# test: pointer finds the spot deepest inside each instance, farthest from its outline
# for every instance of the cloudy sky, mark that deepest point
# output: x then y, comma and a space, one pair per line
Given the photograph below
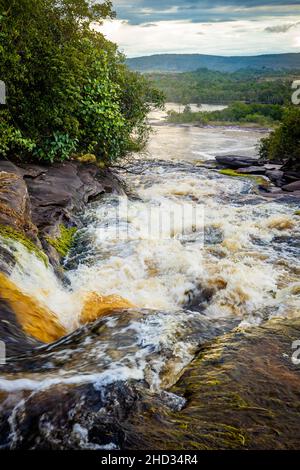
220, 27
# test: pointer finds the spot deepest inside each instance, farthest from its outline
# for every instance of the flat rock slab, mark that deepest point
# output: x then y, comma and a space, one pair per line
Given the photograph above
252, 170
292, 187
234, 161
242, 392
272, 166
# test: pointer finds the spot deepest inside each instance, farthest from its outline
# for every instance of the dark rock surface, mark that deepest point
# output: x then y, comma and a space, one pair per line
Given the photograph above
36, 199
16, 341
282, 177
234, 161
252, 170
242, 392
15, 209
291, 187
276, 176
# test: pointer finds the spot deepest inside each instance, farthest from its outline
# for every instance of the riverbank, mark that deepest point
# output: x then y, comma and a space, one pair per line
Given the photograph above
42, 203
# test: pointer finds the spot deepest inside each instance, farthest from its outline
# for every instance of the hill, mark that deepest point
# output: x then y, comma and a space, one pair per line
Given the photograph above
191, 62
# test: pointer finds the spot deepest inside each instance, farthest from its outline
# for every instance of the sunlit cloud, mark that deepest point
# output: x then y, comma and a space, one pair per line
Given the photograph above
243, 37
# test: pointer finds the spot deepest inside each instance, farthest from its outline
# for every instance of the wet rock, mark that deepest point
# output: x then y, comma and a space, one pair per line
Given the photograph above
36, 320
7, 260
91, 408
241, 392
15, 210
252, 170
40, 199
11, 333
276, 176
272, 166
234, 162
291, 176
73, 417
291, 187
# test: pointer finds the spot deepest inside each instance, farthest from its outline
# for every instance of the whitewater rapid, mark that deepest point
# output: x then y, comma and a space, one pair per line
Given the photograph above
183, 230
188, 247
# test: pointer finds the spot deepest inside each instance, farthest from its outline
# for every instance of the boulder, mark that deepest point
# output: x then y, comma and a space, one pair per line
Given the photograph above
234, 161
276, 176
252, 170
39, 199
291, 187
291, 176
272, 166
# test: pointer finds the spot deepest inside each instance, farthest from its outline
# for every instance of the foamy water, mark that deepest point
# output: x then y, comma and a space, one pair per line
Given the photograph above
186, 239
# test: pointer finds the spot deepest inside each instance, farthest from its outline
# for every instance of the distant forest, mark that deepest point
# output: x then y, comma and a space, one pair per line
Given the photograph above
206, 86
191, 62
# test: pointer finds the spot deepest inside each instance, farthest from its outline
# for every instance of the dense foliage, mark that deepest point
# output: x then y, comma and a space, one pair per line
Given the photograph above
262, 114
68, 88
205, 86
283, 144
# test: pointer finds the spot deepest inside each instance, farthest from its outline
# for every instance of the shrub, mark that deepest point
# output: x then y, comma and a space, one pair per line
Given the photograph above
283, 144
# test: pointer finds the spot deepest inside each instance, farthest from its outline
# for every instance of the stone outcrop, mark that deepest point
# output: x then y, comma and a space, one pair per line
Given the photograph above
291, 187
39, 207
37, 200
15, 210
241, 392
285, 180
234, 161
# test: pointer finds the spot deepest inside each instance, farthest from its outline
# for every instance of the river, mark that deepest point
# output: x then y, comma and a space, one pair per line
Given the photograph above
195, 252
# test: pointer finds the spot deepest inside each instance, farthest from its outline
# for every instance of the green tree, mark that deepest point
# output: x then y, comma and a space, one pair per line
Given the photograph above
283, 144
66, 83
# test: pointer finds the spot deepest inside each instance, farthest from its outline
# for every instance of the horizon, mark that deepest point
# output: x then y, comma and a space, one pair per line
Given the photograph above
211, 55
217, 27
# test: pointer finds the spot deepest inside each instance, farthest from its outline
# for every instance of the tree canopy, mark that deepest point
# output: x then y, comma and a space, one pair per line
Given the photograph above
68, 89
207, 86
283, 144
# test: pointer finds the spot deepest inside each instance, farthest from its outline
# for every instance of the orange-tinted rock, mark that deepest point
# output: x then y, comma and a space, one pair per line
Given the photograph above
35, 319
97, 306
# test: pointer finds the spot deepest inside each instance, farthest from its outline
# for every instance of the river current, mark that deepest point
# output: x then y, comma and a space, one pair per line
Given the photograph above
194, 251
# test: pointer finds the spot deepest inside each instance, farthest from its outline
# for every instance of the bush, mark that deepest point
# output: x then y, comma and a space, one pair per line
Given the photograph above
67, 85
283, 144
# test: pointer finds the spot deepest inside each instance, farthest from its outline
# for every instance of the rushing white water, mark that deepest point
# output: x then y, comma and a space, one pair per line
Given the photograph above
187, 229
186, 239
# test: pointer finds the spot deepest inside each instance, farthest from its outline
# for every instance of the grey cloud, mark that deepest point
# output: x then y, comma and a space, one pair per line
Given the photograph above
148, 25
281, 28
145, 11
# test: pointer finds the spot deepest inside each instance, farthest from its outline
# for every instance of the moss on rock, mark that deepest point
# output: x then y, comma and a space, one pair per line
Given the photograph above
258, 179
64, 241
87, 158
9, 233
